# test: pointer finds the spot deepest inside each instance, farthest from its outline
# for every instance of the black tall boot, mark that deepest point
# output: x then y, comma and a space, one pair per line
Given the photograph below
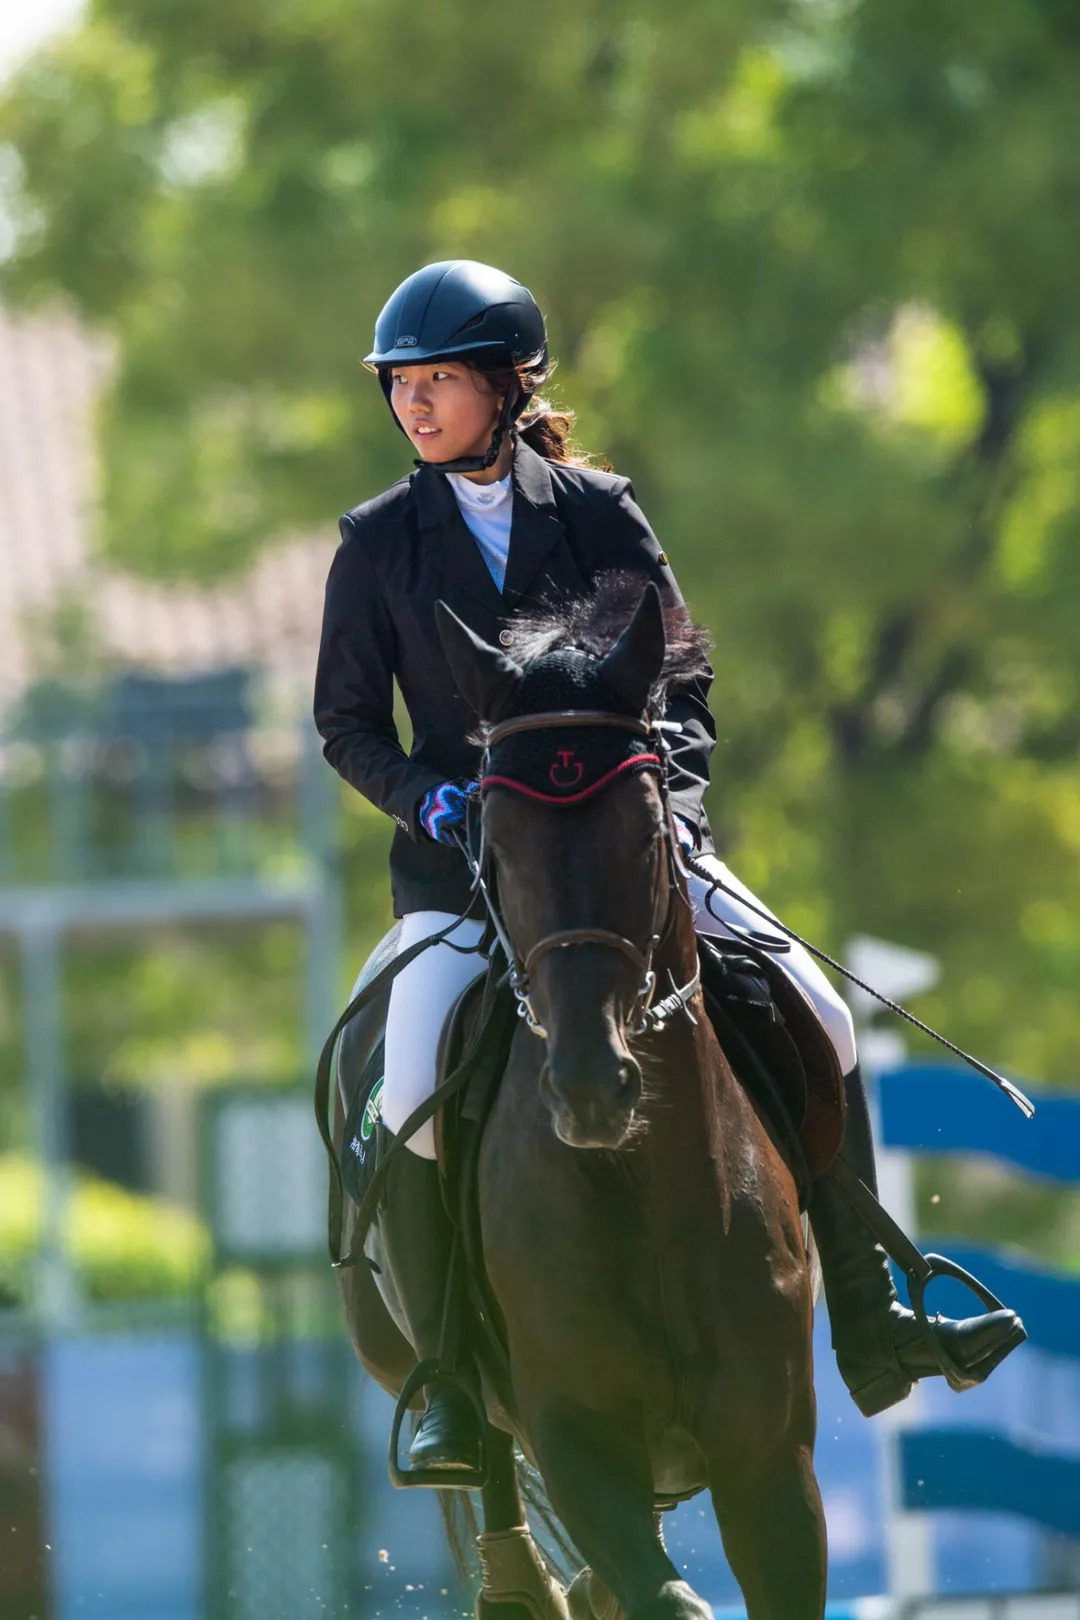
417, 1237
880, 1349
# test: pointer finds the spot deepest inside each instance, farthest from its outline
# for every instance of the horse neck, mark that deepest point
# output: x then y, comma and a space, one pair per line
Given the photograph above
700, 1123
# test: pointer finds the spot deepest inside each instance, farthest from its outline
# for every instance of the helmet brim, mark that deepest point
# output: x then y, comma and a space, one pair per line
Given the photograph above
426, 357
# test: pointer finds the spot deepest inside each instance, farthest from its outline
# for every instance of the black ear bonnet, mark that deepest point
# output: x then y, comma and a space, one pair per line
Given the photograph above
562, 765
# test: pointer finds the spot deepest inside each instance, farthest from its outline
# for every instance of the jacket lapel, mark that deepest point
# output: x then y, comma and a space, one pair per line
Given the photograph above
536, 527
450, 550
449, 547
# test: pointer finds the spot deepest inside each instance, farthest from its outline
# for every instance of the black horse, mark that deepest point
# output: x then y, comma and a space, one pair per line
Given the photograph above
641, 1231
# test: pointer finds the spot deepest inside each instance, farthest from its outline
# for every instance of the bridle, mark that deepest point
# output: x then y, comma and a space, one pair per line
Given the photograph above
645, 1014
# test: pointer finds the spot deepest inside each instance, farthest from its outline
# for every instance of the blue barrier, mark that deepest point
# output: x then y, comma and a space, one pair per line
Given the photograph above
974, 1468
932, 1108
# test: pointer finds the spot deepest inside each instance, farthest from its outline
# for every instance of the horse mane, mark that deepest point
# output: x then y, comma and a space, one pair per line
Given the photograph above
592, 624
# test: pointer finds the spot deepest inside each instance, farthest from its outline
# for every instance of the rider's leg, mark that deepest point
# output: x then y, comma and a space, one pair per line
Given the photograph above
879, 1348
420, 998
415, 1228
797, 962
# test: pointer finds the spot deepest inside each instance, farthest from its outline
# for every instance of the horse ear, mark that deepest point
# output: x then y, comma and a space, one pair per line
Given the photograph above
486, 677
633, 665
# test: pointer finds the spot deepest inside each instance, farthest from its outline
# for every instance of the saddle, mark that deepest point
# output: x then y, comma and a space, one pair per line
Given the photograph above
775, 1043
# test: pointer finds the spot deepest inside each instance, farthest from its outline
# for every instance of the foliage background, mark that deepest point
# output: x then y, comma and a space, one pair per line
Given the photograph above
810, 268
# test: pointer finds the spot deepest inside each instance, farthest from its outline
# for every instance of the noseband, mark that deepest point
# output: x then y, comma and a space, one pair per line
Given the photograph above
643, 1014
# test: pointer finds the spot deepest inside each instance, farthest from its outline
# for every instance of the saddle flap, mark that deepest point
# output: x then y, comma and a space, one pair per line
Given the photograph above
453, 1040
359, 1144
358, 1065
776, 1018
823, 1122
365, 1030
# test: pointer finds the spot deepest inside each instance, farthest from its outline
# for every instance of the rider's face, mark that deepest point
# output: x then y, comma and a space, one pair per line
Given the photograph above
447, 409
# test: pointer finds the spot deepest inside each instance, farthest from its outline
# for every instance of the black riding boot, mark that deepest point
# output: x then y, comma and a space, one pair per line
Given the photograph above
880, 1349
417, 1237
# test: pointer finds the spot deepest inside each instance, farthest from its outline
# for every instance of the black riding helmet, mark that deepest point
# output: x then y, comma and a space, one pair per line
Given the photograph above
455, 308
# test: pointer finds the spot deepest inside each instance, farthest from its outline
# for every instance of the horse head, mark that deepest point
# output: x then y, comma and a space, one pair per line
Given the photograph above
577, 838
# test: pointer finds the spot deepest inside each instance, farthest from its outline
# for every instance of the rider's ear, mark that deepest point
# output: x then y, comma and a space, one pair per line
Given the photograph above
486, 677
633, 665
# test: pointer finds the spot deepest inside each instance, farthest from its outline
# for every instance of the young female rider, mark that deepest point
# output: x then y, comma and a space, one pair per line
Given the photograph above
499, 515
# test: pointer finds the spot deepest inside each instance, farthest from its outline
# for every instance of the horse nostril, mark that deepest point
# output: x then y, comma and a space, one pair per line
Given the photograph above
628, 1090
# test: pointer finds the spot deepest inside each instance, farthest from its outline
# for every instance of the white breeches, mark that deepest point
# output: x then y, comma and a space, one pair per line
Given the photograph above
828, 1003
420, 998
423, 994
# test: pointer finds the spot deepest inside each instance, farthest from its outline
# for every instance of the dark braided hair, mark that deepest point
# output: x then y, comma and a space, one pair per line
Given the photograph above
546, 428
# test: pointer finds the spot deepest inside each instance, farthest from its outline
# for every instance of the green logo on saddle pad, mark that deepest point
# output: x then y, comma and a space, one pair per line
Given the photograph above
372, 1111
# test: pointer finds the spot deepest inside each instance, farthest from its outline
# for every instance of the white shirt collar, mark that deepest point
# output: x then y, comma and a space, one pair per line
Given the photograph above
481, 496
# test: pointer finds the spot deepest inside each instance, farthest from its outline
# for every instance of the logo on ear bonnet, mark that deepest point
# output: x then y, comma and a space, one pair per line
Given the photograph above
566, 770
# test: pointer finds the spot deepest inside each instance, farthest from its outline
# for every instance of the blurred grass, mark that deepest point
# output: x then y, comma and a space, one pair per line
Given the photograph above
987, 1203
123, 1246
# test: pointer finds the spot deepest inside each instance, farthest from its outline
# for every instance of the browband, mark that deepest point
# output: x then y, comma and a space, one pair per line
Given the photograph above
566, 717
636, 763
531, 771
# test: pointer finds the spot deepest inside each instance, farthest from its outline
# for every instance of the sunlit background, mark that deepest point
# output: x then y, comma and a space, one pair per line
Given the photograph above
811, 274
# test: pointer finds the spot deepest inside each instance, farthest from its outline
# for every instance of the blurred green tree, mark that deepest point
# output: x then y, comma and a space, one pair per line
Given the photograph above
810, 272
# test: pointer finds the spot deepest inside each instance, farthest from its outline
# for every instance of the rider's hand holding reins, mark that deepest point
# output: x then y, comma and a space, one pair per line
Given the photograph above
443, 809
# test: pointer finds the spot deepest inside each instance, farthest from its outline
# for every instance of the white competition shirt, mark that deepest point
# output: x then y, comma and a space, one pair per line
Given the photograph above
487, 510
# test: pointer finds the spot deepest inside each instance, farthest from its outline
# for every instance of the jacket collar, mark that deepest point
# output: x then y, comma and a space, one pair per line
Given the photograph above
535, 530
448, 546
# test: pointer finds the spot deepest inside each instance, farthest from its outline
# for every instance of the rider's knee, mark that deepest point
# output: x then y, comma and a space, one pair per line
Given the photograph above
835, 1015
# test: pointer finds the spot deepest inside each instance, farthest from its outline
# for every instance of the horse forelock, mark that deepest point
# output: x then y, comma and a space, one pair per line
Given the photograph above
591, 625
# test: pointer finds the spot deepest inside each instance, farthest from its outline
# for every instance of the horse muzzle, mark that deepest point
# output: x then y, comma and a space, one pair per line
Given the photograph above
591, 1104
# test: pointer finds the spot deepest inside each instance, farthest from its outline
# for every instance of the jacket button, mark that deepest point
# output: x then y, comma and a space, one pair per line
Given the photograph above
506, 638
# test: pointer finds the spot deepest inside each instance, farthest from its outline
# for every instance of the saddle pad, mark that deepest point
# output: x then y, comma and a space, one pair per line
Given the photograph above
359, 1154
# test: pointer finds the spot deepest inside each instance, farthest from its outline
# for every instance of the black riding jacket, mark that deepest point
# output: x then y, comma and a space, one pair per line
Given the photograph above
399, 554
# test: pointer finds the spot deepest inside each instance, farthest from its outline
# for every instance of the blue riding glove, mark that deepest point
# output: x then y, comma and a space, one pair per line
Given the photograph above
685, 834
443, 808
